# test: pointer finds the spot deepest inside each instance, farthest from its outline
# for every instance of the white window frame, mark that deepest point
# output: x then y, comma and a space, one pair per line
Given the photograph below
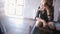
12, 6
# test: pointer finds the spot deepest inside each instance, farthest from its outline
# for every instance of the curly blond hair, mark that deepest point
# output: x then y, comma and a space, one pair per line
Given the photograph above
48, 6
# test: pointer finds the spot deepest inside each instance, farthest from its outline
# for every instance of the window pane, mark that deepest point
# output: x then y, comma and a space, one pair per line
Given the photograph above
10, 7
19, 10
20, 2
14, 7
11, 1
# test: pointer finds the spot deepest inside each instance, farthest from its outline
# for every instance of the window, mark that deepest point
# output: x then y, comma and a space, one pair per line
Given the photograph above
14, 8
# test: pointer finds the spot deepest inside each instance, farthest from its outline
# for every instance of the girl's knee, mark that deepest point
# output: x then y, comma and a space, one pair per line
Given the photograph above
38, 24
51, 25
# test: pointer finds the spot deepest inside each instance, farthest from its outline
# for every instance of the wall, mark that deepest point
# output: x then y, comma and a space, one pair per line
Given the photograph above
56, 9
1, 7
30, 8
2, 16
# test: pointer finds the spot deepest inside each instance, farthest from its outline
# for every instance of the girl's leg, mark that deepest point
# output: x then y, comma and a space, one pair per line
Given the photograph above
39, 24
51, 25
36, 28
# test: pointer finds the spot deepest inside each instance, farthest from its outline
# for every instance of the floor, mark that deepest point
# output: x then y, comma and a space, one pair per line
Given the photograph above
17, 25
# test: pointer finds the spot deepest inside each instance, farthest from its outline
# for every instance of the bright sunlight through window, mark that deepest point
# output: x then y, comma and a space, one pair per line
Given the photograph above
14, 10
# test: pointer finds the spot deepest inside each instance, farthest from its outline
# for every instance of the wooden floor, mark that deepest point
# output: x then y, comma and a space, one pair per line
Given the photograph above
17, 25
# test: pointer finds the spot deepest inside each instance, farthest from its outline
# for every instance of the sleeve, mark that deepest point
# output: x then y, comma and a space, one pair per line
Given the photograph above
52, 14
38, 13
